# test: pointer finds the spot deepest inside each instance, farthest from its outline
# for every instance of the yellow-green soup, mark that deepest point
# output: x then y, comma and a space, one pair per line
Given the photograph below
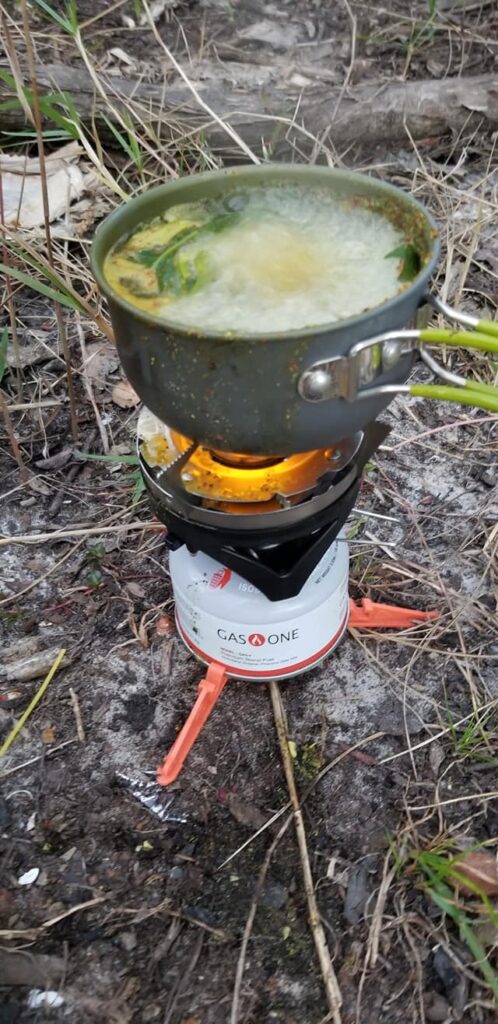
267, 259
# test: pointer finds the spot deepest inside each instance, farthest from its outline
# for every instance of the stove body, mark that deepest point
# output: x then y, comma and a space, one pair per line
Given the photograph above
258, 557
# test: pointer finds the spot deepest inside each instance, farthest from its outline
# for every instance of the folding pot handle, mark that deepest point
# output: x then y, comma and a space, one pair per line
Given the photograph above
464, 319
345, 376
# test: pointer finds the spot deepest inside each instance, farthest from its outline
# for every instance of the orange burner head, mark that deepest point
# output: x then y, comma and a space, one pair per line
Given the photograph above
232, 481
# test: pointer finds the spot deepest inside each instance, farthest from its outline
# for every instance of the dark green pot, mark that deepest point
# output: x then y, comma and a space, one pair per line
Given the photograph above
239, 393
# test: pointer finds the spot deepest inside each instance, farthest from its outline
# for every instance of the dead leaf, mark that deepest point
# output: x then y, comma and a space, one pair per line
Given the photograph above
121, 56
22, 190
101, 360
140, 631
135, 590
156, 9
48, 734
124, 395
481, 869
245, 813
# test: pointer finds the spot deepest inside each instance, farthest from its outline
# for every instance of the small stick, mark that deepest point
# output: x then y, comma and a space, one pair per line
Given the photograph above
33, 760
75, 704
44, 403
14, 444
37, 538
33, 933
88, 386
239, 974
32, 705
331, 984
10, 299
61, 327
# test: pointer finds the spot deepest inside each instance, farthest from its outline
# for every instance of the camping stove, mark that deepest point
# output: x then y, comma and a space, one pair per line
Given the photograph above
258, 564
258, 558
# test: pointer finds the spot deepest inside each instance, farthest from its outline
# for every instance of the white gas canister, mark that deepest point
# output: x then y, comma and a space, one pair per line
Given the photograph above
221, 617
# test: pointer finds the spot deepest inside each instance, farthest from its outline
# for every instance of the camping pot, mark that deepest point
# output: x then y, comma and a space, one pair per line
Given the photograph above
283, 392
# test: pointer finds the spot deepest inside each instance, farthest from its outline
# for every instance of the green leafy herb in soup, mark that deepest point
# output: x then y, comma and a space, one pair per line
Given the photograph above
261, 260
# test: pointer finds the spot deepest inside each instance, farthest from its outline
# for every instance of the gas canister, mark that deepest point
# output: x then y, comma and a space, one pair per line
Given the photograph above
223, 618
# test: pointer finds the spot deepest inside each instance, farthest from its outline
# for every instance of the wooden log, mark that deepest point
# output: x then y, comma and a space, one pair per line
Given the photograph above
274, 116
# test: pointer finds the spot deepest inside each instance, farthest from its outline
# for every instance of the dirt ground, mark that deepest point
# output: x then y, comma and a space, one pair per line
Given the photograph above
134, 914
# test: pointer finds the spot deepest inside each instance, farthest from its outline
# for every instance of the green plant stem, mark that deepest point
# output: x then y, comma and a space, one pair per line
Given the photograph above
31, 707
463, 339
465, 396
479, 954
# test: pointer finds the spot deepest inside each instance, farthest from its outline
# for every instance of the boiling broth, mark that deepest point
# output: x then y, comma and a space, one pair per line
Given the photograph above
268, 259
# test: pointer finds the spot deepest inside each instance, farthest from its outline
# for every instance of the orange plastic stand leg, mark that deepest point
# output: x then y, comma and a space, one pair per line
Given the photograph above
209, 690
370, 615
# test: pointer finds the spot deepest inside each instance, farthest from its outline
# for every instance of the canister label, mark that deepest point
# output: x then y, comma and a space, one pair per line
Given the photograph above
261, 650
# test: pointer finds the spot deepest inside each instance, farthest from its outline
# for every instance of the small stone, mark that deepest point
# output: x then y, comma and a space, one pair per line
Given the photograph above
128, 941
38, 999
29, 877
176, 874
152, 1012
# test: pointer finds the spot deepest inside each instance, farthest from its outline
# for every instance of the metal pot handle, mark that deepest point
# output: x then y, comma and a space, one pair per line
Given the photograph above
464, 319
350, 376
346, 376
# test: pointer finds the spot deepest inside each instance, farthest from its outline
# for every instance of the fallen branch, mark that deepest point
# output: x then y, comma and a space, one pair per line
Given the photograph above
264, 116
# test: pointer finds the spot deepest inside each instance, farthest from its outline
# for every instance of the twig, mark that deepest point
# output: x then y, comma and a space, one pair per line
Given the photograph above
198, 98
38, 538
70, 476
183, 980
163, 907
239, 974
32, 705
88, 385
61, 327
278, 814
352, 56
75, 704
44, 403
33, 760
33, 933
334, 998
14, 444
10, 299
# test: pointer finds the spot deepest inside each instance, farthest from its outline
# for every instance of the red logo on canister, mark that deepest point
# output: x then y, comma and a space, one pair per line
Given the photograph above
256, 639
220, 578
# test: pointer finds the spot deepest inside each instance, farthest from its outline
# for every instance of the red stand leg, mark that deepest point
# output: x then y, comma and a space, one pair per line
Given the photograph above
366, 614
209, 690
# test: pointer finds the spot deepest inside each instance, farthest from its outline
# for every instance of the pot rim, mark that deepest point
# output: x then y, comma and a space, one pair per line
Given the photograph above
100, 250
